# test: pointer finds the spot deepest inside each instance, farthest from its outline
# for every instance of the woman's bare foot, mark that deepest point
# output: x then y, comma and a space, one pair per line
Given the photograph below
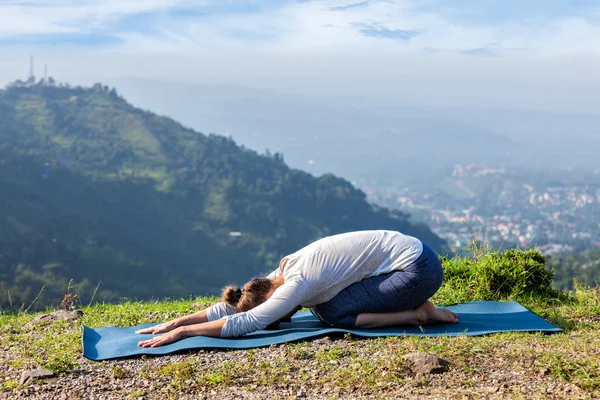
428, 314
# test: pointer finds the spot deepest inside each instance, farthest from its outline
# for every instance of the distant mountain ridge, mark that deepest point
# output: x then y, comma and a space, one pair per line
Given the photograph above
320, 136
93, 189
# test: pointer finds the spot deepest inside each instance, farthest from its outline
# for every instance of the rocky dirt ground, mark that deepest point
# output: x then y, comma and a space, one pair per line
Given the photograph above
508, 365
170, 377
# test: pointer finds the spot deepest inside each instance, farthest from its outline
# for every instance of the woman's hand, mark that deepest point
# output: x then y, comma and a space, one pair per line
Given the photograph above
169, 337
211, 329
161, 328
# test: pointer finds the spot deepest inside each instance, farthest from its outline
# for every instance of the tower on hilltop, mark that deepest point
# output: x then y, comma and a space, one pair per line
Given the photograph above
31, 70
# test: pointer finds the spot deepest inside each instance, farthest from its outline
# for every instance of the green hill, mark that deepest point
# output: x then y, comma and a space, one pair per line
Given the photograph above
95, 190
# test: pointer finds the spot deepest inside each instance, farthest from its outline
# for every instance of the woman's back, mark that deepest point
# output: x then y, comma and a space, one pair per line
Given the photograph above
330, 264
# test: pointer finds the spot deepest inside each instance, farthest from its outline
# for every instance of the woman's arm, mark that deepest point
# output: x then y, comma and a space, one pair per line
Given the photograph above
212, 313
284, 299
212, 329
196, 318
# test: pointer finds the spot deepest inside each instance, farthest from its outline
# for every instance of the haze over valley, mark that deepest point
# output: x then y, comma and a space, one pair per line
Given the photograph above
375, 142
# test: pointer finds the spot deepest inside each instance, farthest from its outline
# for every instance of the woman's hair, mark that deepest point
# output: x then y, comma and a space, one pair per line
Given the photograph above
249, 296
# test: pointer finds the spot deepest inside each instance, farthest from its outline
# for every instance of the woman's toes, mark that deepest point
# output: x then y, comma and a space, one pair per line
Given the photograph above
449, 316
454, 317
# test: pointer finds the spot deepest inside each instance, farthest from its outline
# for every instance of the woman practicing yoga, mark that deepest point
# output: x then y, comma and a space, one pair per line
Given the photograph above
365, 279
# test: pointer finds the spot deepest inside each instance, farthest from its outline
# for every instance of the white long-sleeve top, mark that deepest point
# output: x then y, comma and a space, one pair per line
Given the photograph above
316, 273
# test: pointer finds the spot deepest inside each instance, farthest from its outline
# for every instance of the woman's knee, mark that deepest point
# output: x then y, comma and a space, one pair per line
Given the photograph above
334, 317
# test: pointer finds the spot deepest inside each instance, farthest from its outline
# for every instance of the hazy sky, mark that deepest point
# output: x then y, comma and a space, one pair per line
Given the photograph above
505, 53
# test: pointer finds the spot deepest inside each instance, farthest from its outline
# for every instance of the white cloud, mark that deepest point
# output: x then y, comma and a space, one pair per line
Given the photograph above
46, 16
308, 47
287, 26
14, 21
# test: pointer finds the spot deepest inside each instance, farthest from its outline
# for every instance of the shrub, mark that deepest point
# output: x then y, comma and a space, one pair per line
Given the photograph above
510, 275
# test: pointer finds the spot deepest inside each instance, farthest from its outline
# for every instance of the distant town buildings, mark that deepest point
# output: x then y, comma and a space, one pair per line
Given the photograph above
508, 213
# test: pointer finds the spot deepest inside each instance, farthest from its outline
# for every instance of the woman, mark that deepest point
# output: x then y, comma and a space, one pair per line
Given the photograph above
365, 279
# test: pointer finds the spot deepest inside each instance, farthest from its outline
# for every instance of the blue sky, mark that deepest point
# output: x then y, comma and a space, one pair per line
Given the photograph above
463, 26
432, 45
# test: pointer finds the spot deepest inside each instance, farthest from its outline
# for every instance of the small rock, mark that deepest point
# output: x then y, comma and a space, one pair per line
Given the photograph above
58, 315
40, 373
568, 389
300, 393
426, 363
324, 340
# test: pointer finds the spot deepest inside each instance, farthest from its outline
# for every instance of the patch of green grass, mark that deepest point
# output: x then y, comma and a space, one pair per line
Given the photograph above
119, 372
585, 373
9, 385
61, 363
55, 347
335, 352
179, 371
585, 300
299, 351
16, 363
213, 379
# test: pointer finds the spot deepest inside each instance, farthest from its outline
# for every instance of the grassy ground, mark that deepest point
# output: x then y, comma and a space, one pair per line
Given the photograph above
513, 365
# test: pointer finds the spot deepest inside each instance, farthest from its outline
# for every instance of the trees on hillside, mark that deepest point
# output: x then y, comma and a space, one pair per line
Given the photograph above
92, 188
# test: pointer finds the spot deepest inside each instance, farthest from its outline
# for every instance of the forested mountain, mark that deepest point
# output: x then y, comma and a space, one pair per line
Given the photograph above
95, 190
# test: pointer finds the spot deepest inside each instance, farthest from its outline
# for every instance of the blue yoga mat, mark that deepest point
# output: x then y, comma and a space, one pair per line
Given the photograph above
477, 318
